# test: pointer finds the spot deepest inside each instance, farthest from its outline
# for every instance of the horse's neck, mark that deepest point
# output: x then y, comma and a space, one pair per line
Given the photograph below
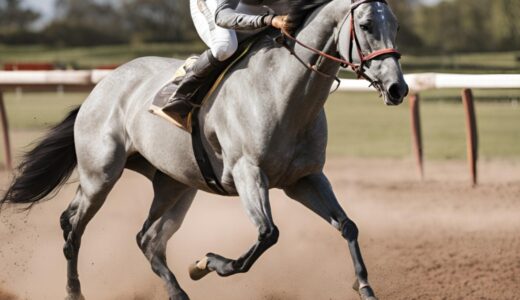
307, 91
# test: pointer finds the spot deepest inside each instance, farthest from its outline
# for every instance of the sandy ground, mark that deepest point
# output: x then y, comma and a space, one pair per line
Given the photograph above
439, 239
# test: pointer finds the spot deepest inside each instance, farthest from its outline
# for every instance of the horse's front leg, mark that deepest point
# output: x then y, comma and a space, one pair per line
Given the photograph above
315, 192
252, 186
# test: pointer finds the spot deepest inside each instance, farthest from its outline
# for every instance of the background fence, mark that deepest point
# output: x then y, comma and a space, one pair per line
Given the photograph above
60, 80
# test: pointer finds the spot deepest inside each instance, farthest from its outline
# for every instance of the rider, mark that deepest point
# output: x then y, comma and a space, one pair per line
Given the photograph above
216, 22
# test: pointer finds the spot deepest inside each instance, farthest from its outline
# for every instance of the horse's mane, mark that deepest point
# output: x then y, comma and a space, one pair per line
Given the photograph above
299, 10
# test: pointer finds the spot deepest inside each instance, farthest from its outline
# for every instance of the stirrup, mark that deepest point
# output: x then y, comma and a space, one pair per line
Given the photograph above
175, 119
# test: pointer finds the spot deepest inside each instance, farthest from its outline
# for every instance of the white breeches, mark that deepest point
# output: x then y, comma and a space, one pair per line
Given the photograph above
222, 42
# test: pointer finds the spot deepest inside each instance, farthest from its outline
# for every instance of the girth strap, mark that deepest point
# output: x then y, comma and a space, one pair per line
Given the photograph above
202, 157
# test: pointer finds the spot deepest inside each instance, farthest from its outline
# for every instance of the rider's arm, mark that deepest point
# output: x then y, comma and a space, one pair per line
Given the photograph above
227, 17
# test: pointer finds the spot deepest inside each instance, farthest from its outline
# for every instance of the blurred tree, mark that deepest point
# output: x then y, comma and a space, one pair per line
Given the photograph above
405, 11
505, 16
470, 25
448, 26
14, 17
86, 22
159, 20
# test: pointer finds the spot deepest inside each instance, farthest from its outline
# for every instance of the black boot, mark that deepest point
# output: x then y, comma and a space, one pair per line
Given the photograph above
181, 103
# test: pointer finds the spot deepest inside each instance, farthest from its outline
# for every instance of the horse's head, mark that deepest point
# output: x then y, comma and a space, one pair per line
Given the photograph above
366, 38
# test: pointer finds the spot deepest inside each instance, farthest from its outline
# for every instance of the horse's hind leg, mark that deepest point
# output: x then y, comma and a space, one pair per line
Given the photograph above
97, 176
315, 192
171, 202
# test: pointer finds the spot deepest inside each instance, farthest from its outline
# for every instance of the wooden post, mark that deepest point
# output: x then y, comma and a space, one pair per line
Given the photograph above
5, 131
417, 133
471, 134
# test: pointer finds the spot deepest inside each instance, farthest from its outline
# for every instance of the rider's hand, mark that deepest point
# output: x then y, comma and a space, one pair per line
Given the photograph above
278, 22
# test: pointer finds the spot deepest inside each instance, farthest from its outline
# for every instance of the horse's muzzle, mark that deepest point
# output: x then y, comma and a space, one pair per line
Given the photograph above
396, 93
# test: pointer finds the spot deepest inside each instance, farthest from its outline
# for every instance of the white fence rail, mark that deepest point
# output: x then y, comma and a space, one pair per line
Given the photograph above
416, 82
33, 78
431, 81
85, 80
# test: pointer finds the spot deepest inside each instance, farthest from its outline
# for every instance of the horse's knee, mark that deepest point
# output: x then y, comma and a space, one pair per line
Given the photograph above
349, 230
224, 50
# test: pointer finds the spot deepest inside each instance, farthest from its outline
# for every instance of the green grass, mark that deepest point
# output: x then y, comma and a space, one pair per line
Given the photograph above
492, 62
89, 57
360, 125
39, 110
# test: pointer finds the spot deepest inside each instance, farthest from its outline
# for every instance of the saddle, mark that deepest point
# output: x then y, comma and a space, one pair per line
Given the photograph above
205, 91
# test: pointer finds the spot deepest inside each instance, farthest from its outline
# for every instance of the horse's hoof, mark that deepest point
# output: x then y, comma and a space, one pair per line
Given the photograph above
365, 292
368, 297
199, 269
180, 296
75, 297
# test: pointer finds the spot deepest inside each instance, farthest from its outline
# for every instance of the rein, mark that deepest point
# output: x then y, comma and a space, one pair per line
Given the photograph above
353, 38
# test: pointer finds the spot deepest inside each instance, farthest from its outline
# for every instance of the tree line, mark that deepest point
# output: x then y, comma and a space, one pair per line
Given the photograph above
459, 26
447, 27
94, 22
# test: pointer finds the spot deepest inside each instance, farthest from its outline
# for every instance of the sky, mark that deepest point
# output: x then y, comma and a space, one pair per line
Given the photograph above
45, 7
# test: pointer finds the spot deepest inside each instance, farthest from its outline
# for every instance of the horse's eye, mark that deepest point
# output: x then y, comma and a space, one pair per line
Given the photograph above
366, 26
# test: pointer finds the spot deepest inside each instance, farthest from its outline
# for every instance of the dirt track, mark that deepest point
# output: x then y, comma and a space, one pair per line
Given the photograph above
440, 239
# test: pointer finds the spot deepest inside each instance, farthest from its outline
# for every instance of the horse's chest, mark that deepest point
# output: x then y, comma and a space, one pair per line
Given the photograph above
286, 164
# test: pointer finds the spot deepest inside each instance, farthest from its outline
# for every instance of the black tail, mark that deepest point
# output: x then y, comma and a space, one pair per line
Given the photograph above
46, 167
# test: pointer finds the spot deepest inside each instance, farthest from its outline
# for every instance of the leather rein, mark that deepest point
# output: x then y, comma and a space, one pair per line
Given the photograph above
353, 39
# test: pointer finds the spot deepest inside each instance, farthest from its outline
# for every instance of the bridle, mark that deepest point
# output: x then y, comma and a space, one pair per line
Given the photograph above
353, 40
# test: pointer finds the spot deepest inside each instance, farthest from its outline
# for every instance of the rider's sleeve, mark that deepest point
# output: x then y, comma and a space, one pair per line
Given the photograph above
227, 17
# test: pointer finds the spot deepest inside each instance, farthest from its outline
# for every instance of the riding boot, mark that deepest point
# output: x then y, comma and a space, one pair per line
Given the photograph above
181, 103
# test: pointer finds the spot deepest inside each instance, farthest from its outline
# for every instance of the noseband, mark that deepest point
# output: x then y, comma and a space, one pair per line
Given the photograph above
357, 68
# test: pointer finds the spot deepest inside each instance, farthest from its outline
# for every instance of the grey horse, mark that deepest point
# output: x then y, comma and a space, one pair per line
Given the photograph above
264, 128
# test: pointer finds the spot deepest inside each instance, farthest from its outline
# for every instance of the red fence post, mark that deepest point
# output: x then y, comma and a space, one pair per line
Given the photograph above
5, 131
417, 132
471, 133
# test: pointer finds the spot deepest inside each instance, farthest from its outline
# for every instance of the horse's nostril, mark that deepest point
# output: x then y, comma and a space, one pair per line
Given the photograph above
395, 91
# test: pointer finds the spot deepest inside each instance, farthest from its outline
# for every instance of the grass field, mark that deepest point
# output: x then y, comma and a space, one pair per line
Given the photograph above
360, 125
492, 62
89, 57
